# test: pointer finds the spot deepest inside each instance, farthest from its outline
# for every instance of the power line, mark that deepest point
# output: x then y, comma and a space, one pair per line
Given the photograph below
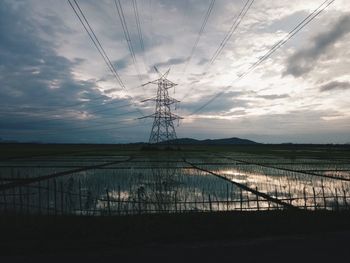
138, 24
121, 15
139, 32
206, 17
300, 26
236, 22
275, 47
83, 20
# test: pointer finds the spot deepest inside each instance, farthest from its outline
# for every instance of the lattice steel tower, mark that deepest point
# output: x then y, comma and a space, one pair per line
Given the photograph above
163, 120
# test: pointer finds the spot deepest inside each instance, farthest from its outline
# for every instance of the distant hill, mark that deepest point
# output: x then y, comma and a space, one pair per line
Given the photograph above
228, 141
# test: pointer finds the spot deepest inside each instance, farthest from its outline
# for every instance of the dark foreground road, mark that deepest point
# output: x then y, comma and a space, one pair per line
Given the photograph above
326, 247
285, 236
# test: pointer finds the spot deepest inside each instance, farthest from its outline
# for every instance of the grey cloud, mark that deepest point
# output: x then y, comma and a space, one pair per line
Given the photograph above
225, 103
335, 85
38, 90
285, 23
194, 82
121, 63
273, 96
302, 61
236, 113
202, 61
31, 71
170, 62
108, 91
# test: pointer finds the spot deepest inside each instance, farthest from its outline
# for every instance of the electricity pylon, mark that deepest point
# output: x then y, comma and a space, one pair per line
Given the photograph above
163, 126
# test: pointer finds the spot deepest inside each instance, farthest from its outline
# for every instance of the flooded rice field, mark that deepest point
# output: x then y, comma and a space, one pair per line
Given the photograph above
172, 183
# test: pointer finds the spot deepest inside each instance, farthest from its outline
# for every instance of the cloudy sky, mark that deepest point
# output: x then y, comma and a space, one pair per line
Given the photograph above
56, 87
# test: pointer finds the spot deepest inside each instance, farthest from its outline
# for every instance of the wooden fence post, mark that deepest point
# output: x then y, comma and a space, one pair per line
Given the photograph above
232, 198
39, 196
118, 199
80, 199
305, 198
315, 202
5, 201
48, 197
324, 198
257, 199
27, 197
55, 194
290, 194
210, 207
276, 196
139, 202
108, 204
205, 204
175, 201
227, 198
14, 199
20, 200
344, 197
195, 204
241, 199
62, 198
217, 203
248, 203
336, 200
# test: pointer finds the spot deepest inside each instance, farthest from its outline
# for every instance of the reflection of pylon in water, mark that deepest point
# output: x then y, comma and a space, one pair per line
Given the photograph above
163, 126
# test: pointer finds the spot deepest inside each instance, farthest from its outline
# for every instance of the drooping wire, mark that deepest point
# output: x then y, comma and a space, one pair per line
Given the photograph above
200, 33
121, 16
83, 20
89, 30
139, 33
236, 22
138, 24
275, 47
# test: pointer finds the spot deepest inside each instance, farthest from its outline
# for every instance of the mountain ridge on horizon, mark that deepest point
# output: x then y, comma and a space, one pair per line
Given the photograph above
227, 141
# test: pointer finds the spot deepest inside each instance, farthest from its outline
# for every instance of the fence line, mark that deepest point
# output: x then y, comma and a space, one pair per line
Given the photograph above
119, 207
54, 199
